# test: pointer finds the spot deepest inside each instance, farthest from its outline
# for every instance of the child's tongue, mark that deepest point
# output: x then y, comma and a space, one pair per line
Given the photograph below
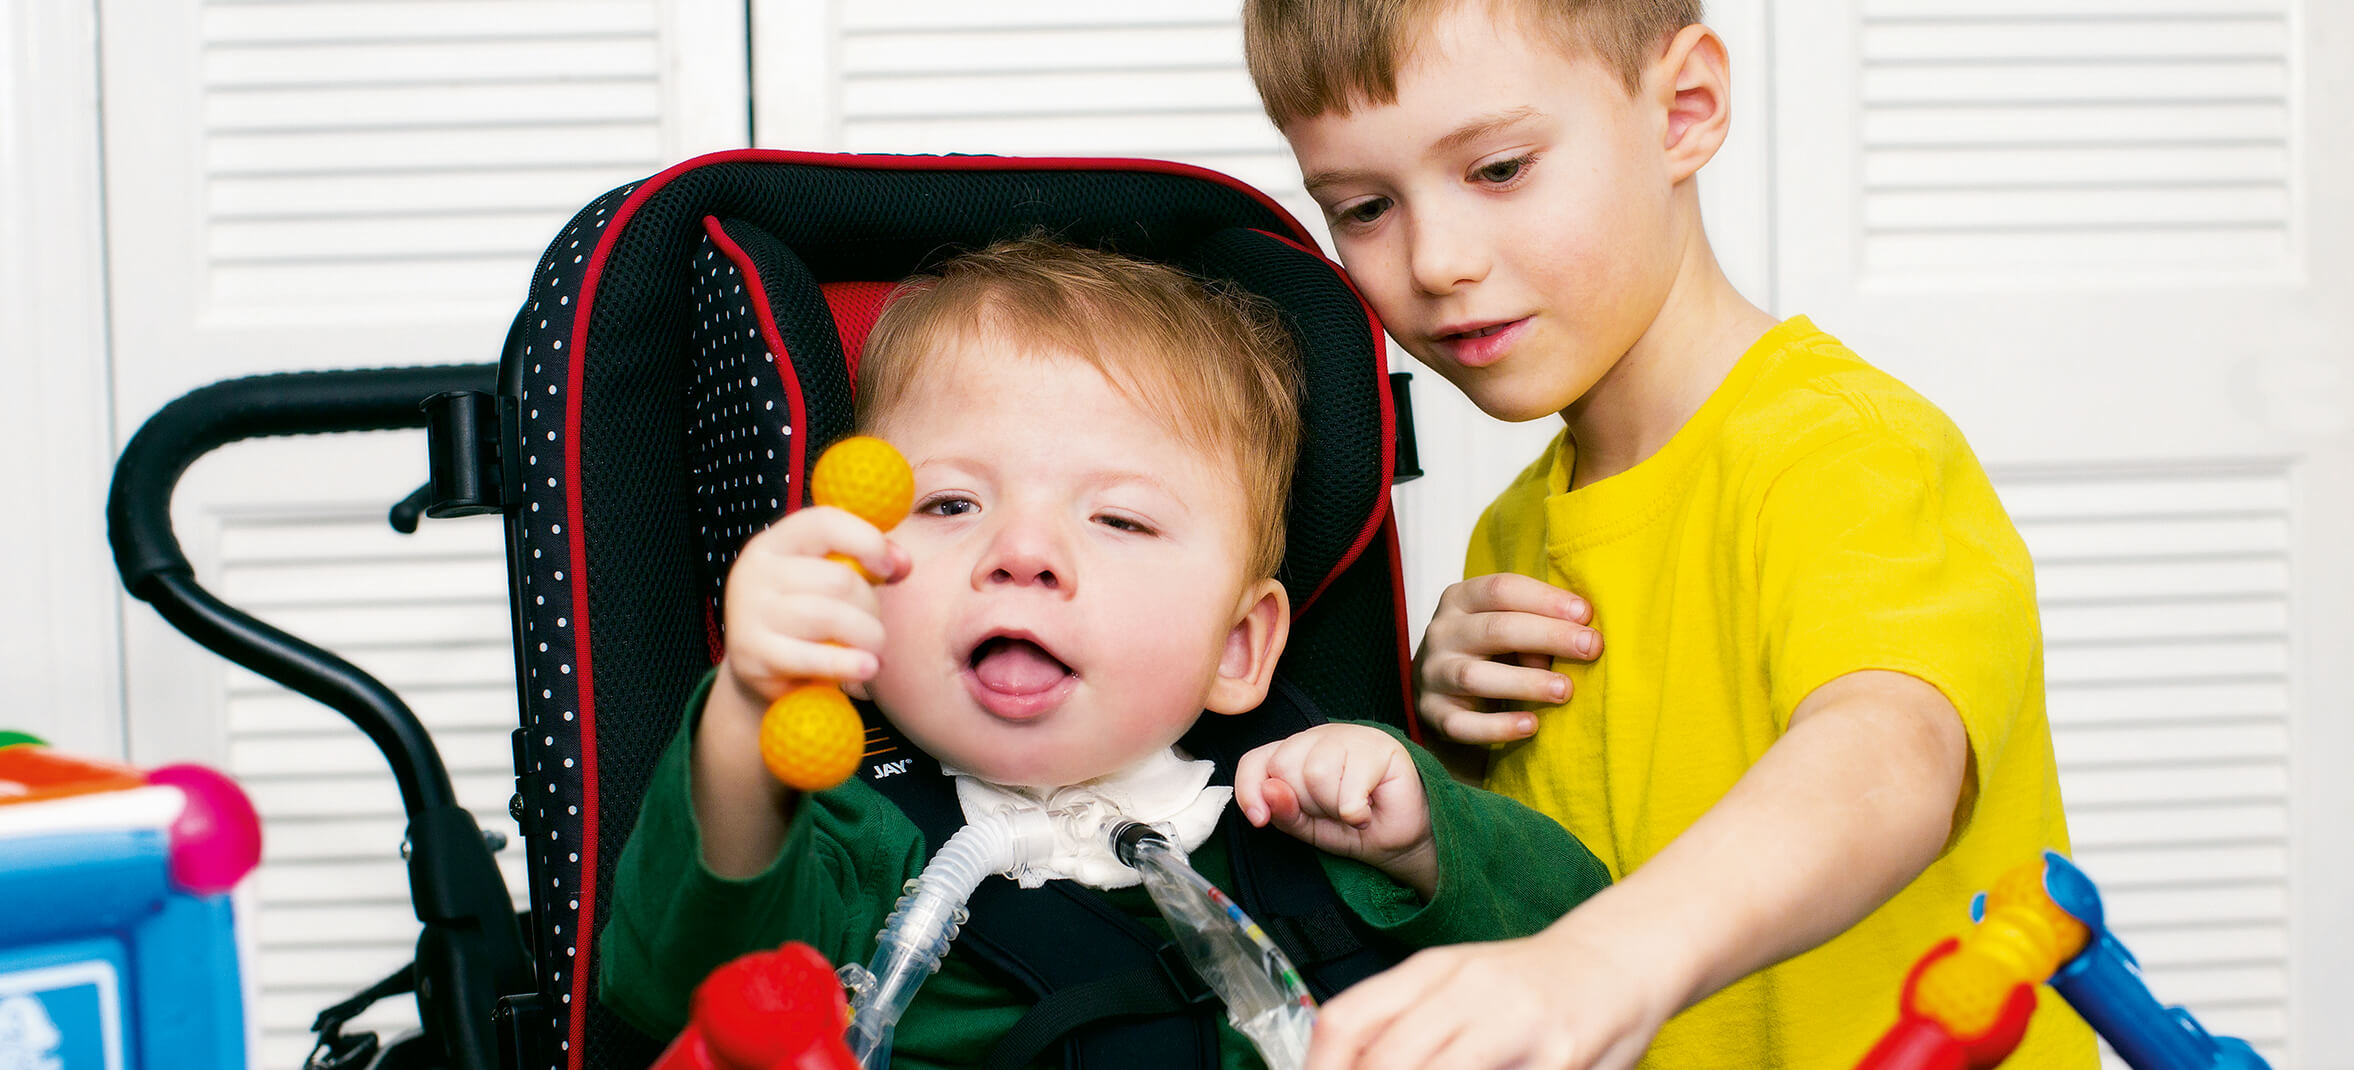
1017, 666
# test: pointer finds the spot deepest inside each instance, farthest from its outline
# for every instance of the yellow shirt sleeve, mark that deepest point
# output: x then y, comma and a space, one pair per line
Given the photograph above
1869, 557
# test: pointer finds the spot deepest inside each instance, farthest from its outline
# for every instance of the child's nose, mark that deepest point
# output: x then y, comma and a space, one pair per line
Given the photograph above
1025, 553
1444, 256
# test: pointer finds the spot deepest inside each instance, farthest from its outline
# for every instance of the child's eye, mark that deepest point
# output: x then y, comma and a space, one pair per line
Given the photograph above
1502, 172
1121, 523
1360, 213
946, 505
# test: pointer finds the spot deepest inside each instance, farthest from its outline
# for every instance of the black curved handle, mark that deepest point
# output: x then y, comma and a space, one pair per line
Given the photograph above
147, 552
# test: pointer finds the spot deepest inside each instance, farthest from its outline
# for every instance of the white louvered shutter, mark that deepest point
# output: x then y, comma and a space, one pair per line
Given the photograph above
2165, 598
2089, 230
338, 183
1029, 77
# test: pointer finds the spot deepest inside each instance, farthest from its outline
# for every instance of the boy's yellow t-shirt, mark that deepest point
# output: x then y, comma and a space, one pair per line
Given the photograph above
1814, 518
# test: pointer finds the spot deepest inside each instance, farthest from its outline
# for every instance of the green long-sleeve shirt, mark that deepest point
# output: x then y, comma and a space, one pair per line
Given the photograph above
1504, 871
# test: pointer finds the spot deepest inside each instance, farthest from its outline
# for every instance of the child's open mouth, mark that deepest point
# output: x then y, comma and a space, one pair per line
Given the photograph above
1015, 678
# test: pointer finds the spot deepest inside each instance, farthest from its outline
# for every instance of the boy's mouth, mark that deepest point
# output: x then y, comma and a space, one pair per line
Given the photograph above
1479, 345
1476, 332
1014, 677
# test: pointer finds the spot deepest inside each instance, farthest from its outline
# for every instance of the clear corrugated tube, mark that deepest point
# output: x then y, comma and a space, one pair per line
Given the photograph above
925, 921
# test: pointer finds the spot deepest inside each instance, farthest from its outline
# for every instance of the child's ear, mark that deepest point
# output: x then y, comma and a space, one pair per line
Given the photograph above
1693, 81
1247, 666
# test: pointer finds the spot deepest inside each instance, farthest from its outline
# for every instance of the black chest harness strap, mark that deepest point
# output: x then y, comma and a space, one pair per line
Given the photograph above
1109, 991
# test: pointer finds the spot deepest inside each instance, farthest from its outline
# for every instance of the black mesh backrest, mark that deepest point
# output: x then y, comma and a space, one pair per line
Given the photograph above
658, 428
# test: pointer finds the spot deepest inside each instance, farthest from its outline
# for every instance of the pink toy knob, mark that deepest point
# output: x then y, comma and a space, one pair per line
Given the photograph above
217, 839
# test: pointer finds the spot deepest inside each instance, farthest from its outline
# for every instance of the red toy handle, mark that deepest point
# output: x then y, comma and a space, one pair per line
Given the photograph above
769, 1010
1920, 1042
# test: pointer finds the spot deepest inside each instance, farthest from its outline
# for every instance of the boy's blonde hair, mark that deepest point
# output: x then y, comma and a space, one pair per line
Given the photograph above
1309, 57
1214, 366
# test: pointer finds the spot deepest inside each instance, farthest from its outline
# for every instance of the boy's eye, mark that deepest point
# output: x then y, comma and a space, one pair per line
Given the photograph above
1501, 171
1359, 213
946, 505
1121, 523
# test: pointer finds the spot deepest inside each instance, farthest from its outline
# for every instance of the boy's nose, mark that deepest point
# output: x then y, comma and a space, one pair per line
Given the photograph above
1025, 554
1444, 257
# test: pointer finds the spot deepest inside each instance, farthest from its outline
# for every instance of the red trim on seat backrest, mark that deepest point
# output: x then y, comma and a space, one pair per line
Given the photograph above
855, 306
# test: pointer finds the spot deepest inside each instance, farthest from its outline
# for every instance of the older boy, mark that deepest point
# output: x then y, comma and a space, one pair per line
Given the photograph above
1819, 726
1102, 452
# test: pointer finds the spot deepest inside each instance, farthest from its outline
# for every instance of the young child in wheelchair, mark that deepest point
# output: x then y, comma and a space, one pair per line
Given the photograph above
1102, 449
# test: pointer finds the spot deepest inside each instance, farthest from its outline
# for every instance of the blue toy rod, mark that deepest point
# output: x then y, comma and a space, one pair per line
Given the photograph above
2104, 984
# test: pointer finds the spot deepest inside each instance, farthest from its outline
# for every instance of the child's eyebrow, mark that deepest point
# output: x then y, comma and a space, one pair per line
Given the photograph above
1480, 128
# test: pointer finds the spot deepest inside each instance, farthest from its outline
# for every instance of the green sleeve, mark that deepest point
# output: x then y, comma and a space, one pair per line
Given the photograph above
1488, 888
673, 921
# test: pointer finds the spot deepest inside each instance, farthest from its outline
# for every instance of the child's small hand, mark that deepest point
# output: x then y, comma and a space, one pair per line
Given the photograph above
793, 616
1494, 638
1348, 790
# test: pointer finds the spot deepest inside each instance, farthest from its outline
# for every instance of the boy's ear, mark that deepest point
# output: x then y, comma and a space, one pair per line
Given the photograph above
1246, 668
1693, 81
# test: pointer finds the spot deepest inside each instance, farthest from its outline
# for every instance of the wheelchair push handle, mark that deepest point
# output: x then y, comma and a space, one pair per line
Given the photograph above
153, 568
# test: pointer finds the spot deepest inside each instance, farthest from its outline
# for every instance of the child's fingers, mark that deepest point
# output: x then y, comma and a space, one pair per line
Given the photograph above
1458, 721
1250, 780
817, 618
773, 663
1283, 805
1511, 592
1350, 1025
1488, 679
1515, 632
1367, 769
823, 529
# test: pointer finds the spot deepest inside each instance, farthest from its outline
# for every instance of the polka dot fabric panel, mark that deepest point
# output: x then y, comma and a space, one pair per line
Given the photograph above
645, 397
757, 416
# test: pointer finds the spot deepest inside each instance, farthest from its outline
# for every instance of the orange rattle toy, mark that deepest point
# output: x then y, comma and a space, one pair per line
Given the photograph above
811, 738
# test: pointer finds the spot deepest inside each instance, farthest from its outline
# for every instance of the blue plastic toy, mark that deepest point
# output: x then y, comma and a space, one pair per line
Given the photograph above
2103, 983
117, 950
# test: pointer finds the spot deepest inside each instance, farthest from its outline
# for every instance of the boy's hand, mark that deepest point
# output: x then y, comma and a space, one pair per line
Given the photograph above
1348, 790
1563, 999
793, 615
1492, 641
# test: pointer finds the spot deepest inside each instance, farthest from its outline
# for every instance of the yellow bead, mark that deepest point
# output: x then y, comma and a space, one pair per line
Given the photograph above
811, 737
867, 478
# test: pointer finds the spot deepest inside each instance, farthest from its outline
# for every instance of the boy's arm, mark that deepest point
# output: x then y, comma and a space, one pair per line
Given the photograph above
1847, 807
743, 809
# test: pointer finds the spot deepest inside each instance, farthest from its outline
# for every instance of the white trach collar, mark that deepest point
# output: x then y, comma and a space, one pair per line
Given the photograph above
1165, 788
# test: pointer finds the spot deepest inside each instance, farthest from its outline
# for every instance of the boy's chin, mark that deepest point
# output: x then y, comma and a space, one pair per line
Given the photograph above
1032, 770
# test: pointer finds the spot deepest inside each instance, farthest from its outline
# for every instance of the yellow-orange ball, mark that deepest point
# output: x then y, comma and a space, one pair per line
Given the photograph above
867, 478
811, 737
